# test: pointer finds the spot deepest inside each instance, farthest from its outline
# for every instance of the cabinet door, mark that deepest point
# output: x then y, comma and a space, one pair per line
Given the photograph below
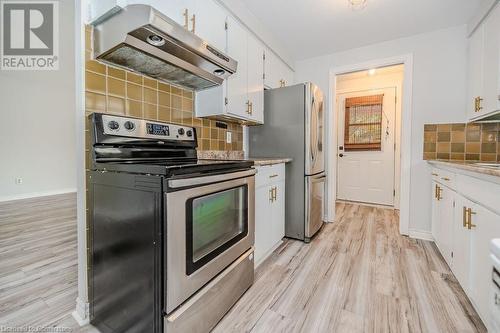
211, 23
491, 60
446, 223
475, 70
435, 212
174, 9
256, 78
237, 48
279, 213
263, 226
272, 70
486, 226
461, 243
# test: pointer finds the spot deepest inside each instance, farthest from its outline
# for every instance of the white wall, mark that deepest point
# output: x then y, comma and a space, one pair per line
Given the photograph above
37, 123
439, 89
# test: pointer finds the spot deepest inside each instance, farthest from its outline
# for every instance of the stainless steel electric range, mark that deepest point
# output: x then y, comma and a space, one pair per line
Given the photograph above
171, 236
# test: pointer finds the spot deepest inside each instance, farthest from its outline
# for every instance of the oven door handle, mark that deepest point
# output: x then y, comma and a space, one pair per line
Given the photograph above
197, 181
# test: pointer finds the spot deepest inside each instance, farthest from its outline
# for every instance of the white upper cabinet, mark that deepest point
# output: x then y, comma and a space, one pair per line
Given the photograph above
181, 11
491, 61
475, 71
256, 79
484, 66
210, 21
237, 84
277, 73
245, 88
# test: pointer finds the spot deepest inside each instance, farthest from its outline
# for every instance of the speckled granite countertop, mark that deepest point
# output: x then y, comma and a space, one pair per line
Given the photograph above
239, 156
479, 167
261, 161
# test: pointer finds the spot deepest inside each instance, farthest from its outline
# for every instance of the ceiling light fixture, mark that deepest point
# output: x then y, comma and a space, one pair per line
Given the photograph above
372, 71
357, 4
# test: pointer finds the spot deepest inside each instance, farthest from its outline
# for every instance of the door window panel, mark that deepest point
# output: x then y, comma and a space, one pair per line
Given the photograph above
363, 123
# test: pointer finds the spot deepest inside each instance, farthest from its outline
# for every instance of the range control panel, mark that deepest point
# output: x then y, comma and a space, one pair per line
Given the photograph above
139, 128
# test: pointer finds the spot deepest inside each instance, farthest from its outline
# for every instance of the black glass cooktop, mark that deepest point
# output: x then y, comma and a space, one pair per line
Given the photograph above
171, 168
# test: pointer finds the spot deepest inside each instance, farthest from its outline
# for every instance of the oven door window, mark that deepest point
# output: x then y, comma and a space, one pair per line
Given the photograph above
215, 222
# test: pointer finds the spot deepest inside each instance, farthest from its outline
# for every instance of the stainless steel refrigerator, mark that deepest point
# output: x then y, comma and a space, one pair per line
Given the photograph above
294, 127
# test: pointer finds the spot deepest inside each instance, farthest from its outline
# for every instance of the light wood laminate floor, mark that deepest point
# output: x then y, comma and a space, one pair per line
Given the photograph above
357, 275
38, 263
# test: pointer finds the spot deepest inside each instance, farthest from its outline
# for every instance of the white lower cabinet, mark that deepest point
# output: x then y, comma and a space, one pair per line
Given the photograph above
269, 210
463, 227
443, 212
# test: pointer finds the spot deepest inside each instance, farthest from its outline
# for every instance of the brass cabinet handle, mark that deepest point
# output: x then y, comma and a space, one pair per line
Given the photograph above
464, 217
282, 83
248, 107
435, 174
273, 176
251, 108
469, 216
193, 23
275, 193
445, 178
477, 104
186, 19
436, 192
271, 196
439, 190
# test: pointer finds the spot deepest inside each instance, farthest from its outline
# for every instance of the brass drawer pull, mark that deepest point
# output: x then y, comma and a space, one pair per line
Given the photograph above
445, 178
273, 176
186, 18
193, 22
435, 174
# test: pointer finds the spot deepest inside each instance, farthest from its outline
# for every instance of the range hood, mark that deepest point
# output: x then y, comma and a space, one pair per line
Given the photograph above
141, 39
490, 117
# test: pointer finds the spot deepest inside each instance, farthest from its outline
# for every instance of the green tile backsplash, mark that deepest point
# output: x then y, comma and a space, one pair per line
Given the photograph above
462, 142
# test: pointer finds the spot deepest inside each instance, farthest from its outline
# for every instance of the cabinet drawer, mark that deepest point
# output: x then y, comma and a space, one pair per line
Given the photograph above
268, 174
444, 177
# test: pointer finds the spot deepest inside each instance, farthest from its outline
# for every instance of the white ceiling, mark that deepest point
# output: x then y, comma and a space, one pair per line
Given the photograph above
311, 28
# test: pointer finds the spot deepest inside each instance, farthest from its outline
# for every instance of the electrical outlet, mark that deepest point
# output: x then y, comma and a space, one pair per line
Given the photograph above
228, 137
19, 181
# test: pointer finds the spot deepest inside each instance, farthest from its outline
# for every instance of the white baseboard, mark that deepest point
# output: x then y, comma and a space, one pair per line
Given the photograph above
81, 313
36, 194
420, 234
268, 254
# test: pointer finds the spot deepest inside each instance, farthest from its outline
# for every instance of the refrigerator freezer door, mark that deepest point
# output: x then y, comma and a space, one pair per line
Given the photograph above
314, 131
315, 191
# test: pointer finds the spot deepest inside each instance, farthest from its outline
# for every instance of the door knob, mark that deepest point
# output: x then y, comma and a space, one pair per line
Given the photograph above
341, 155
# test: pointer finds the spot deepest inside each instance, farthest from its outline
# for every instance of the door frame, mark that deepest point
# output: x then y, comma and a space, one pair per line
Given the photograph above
397, 139
405, 142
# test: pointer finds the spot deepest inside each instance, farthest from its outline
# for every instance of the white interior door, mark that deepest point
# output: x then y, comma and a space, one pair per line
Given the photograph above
366, 171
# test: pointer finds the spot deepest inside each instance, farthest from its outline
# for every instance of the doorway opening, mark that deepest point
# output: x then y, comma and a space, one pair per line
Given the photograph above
368, 133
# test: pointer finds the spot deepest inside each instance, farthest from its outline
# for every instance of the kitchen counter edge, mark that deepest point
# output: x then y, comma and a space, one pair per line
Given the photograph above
467, 166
